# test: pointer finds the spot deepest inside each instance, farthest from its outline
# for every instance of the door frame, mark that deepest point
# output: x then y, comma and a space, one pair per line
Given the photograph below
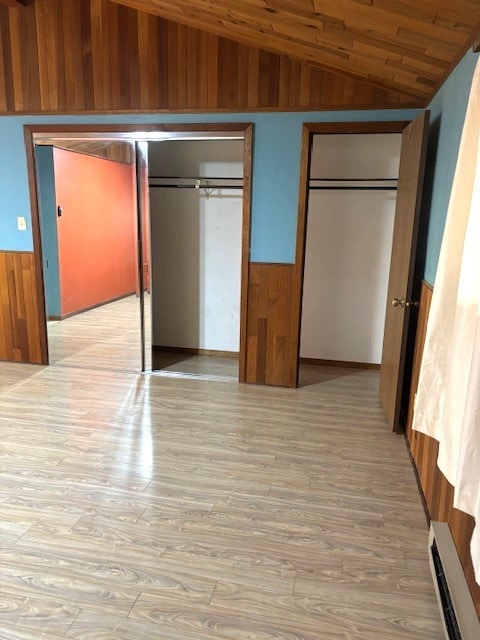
129, 131
308, 131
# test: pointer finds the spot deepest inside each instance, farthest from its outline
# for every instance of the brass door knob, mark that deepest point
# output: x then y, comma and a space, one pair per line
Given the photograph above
401, 302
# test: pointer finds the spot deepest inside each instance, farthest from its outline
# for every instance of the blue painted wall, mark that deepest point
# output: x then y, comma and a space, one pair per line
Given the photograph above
276, 166
276, 160
447, 116
48, 222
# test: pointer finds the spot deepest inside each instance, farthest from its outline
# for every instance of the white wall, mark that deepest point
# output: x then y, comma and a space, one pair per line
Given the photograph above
196, 247
349, 241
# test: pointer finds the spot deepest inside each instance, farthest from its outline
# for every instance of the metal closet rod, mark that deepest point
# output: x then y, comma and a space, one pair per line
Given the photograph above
198, 182
193, 186
195, 178
353, 188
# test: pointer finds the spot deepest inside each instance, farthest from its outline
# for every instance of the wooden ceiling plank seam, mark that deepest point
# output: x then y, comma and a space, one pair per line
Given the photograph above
409, 35
43, 66
69, 53
7, 75
17, 74
59, 53
192, 68
449, 23
431, 50
159, 71
182, 70
373, 52
419, 13
119, 58
134, 59
87, 59
401, 66
371, 19
284, 82
212, 59
143, 20
294, 82
421, 65
3, 74
172, 95
415, 51
78, 58
242, 75
105, 26
97, 46
202, 69
33, 78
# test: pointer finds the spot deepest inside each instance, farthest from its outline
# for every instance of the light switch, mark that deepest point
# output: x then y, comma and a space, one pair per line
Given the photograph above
21, 223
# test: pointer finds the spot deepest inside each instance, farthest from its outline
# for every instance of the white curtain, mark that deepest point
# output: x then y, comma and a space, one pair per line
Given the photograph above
447, 405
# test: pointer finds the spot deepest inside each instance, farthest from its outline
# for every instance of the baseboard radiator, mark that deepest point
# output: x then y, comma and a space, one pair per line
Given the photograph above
458, 612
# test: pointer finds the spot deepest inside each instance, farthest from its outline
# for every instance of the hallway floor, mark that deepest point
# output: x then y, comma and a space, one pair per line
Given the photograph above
152, 507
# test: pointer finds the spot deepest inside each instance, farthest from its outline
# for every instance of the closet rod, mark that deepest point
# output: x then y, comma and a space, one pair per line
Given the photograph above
355, 179
353, 188
194, 178
193, 186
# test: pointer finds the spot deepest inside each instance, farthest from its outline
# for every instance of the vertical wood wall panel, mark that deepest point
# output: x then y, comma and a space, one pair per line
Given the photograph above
19, 323
96, 55
269, 323
436, 489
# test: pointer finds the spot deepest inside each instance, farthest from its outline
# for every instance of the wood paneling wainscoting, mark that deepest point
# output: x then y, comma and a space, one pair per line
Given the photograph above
269, 323
438, 492
20, 338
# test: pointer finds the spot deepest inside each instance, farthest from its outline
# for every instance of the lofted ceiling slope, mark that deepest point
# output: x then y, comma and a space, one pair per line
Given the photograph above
408, 46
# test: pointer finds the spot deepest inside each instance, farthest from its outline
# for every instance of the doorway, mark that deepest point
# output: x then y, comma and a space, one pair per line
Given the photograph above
395, 367
141, 135
351, 212
86, 197
196, 189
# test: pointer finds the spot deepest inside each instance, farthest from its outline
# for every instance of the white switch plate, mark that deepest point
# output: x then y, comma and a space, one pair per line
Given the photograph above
21, 223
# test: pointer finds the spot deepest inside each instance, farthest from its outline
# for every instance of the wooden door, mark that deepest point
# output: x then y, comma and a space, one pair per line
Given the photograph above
407, 213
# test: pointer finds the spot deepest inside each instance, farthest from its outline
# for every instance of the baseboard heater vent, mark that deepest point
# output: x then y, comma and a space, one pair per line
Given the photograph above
460, 620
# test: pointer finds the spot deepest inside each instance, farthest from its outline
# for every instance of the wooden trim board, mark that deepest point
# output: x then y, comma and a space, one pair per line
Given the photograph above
246, 129
246, 233
309, 130
340, 363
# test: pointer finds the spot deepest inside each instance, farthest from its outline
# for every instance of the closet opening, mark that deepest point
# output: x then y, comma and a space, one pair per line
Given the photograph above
220, 250
88, 227
360, 196
352, 186
196, 234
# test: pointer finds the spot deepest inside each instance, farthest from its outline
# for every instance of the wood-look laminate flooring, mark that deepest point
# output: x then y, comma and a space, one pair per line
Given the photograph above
141, 507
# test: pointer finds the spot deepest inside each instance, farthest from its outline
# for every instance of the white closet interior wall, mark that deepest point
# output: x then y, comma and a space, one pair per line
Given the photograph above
196, 247
348, 249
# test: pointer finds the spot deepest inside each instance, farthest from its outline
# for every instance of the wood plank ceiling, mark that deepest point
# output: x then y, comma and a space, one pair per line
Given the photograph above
117, 151
402, 45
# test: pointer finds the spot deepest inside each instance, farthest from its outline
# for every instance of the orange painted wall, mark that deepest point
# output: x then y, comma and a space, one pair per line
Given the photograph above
96, 232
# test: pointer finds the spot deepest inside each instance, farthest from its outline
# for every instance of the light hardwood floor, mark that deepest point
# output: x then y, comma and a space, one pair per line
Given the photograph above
144, 507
